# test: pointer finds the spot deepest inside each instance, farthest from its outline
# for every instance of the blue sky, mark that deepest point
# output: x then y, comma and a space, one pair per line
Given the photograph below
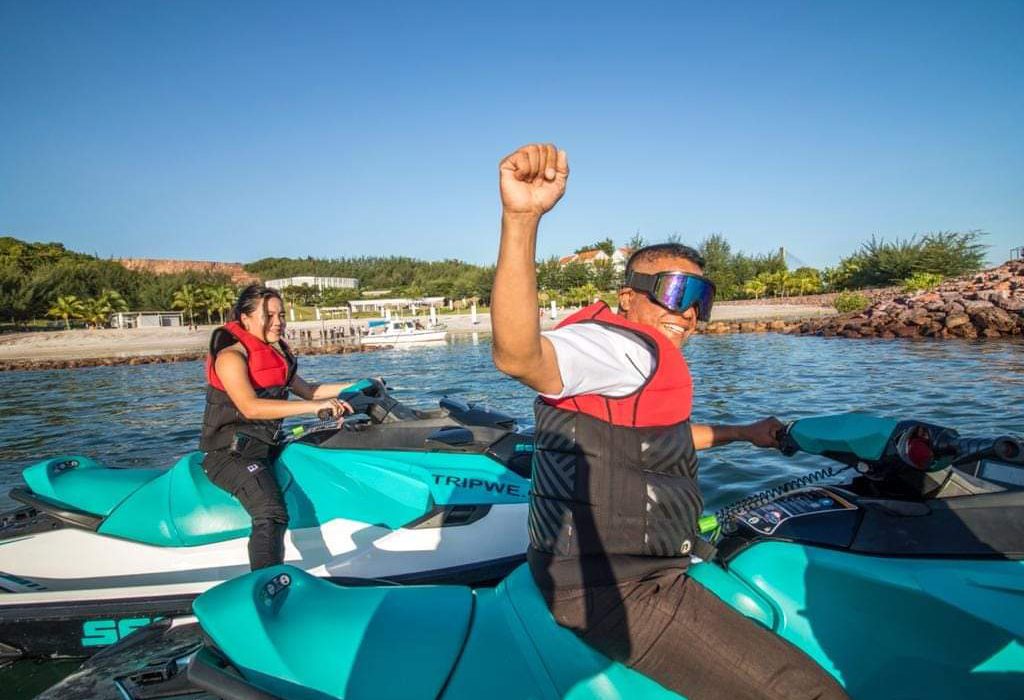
233, 131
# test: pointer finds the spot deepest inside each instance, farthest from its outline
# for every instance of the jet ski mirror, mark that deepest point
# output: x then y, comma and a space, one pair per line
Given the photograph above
450, 435
469, 413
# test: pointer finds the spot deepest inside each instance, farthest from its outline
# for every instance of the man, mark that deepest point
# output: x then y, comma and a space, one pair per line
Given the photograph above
615, 499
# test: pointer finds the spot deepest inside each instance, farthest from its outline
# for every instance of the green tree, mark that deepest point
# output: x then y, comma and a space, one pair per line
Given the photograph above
607, 245
549, 274
187, 300
574, 274
95, 312
806, 280
221, 298
605, 275
67, 308
755, 287
718, 265
882, 263
339, 296
112, 300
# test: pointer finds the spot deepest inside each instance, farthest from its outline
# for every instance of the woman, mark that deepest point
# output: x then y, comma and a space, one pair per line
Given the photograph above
250, 372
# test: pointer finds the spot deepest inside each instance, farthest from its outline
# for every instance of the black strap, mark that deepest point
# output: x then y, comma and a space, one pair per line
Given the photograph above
704, 549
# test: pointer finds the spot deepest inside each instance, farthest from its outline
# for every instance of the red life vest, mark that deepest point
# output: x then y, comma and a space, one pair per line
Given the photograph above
616, 478
267, 367
665, 399
269, 372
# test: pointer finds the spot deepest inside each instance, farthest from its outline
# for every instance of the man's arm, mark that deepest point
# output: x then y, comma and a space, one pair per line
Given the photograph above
763, 433
532, 181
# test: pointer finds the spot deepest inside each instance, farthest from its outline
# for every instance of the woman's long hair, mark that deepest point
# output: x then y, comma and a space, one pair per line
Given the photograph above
249, 301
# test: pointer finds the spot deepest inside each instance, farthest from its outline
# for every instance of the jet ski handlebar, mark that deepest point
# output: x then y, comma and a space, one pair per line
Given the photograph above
879, 445
1005, 448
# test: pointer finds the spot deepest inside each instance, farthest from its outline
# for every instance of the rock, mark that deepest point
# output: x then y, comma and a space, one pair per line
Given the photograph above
972, 306
1013, 304
957, 319
994, 318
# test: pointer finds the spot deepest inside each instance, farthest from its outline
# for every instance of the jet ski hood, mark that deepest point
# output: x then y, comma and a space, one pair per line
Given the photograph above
280, 628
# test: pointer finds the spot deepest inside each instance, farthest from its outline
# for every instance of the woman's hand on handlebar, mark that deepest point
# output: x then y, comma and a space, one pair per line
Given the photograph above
332, 408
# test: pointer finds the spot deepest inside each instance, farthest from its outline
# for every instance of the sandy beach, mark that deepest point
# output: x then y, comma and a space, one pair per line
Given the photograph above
55, 346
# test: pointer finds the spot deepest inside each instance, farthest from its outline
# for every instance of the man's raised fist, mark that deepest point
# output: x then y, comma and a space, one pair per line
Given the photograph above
533, 179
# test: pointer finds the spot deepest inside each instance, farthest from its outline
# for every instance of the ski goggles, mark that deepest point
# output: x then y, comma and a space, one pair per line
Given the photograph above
676, 291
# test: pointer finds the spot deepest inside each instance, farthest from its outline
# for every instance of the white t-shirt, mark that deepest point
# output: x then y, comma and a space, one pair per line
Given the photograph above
597, 359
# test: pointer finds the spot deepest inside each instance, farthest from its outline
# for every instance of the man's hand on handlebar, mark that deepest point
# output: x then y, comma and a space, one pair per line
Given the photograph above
765, 432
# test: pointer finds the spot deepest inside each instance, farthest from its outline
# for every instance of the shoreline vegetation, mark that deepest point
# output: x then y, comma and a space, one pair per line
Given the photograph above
987, 304
899, 289
45, 350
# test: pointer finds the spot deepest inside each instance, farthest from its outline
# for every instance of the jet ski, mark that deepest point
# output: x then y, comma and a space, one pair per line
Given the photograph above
394, 494
905, 580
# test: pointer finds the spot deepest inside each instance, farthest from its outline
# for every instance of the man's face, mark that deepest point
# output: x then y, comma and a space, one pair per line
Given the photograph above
637, 307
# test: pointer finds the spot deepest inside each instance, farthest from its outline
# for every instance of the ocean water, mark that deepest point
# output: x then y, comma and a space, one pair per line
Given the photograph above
149, 415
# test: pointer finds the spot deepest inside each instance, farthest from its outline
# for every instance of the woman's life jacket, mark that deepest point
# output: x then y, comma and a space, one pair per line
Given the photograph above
618, 475
270, 374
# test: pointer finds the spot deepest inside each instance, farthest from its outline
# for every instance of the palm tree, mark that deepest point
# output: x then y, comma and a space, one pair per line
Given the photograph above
67, 307
113, 299
781, 281
220, 299
808, 284
95, 312
755, 287
187, 299
203, 302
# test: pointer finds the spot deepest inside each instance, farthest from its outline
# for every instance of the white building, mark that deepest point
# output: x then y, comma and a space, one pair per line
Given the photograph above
312, 281
146, 319
379, 305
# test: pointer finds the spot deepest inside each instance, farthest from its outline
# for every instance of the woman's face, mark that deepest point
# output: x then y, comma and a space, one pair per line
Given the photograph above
266, 321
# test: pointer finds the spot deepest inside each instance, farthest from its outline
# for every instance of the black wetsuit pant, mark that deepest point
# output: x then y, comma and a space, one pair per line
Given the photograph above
249, 476
672, 629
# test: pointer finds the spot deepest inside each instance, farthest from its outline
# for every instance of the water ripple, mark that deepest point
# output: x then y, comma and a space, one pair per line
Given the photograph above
148, 415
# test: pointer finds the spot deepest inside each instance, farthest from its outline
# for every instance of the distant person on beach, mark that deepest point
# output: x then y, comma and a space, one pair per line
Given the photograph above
615, 499
250, 372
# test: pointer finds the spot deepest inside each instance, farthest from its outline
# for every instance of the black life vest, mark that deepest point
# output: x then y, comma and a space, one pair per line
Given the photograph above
618, 475
270, 374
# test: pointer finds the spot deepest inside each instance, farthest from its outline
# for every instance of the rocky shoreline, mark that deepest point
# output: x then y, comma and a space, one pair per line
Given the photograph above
989, 304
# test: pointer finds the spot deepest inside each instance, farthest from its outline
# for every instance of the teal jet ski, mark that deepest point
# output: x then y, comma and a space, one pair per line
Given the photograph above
394, 494
905, 580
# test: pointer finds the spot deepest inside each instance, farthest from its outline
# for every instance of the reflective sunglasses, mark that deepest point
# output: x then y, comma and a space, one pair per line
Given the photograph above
676, 291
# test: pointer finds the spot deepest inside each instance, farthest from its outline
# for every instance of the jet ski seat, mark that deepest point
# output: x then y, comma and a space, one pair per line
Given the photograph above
182, 508
84, 484
296, 636
577, 670
288, 634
